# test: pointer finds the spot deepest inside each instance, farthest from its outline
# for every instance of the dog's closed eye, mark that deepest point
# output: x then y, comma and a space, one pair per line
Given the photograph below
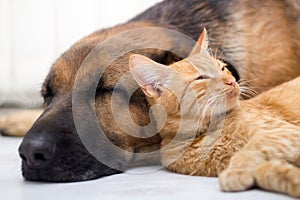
103, 91
47, 93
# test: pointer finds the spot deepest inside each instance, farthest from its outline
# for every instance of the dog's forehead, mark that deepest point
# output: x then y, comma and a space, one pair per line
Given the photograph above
87, 55
68, 73
63, 73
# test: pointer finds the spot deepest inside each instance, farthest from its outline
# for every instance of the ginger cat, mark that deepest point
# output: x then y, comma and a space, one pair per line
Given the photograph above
208, 131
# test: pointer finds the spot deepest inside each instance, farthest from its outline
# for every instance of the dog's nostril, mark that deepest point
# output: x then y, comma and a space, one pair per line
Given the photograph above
23, 157
40, 157
37, 153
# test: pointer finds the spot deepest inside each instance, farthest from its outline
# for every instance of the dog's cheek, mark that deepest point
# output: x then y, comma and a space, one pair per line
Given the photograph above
117, 137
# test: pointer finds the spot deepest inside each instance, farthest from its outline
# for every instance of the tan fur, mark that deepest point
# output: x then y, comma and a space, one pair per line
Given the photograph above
270, 55
25, 119
259, 38
258, 143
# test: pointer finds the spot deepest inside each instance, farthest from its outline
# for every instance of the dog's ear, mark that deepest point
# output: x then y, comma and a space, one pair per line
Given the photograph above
151, 76
201, 44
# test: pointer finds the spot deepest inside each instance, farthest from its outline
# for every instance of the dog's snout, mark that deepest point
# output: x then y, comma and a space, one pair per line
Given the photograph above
37, 153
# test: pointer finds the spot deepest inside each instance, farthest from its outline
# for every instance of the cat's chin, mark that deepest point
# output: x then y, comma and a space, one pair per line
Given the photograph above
232, 99
232, 107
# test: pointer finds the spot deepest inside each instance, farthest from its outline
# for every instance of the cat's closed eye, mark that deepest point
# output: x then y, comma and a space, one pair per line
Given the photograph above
202, 77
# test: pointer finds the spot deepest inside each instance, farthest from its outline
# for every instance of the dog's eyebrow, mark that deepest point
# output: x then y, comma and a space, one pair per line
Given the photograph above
46, 88
111, 90
104, 88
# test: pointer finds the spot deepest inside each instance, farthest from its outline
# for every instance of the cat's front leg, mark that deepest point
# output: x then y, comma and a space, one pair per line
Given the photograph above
241, 172
234, 180
279, 176
239, 175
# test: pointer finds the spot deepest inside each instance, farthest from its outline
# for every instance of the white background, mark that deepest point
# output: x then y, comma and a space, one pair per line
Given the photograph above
33, 33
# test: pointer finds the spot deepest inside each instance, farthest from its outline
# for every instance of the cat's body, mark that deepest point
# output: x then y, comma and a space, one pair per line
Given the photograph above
245, 143
275, 113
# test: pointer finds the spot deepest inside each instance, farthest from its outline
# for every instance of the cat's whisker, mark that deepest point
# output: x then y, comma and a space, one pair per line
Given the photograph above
205, 105
216, 51
245, 96
211, 103
243, 82
247, 92
219, 54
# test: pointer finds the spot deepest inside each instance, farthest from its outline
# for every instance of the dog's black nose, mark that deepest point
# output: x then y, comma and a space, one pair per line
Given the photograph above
37, 153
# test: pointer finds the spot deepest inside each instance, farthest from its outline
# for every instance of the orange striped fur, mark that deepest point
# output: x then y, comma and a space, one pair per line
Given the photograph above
245, 143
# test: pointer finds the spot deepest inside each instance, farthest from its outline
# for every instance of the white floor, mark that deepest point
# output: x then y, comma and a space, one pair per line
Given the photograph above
139, 183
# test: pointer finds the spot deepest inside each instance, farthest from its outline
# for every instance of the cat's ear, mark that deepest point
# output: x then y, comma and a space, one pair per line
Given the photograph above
202, 44
151, 76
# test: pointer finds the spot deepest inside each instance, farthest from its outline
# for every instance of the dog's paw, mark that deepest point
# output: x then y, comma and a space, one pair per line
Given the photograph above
18, 123
232, 180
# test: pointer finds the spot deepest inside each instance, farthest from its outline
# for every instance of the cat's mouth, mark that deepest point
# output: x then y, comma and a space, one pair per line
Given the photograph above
232, 89
233, 93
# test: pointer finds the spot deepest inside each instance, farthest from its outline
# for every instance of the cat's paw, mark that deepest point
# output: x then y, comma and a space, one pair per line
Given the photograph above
279, 176
231, 180
18, 123
293, 187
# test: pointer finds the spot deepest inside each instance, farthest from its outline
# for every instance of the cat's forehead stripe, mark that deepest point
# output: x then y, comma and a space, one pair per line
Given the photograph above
205, 64
184, 67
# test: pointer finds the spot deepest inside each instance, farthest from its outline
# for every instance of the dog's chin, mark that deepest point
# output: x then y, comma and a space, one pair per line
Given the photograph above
61, 175
68, 170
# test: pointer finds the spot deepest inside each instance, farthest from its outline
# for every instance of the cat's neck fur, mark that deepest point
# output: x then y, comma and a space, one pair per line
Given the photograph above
212, 137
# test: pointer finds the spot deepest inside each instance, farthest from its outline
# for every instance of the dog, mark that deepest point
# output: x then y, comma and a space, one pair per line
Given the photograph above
259, 40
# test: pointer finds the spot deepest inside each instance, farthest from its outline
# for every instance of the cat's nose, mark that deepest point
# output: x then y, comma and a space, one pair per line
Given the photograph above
231, 83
